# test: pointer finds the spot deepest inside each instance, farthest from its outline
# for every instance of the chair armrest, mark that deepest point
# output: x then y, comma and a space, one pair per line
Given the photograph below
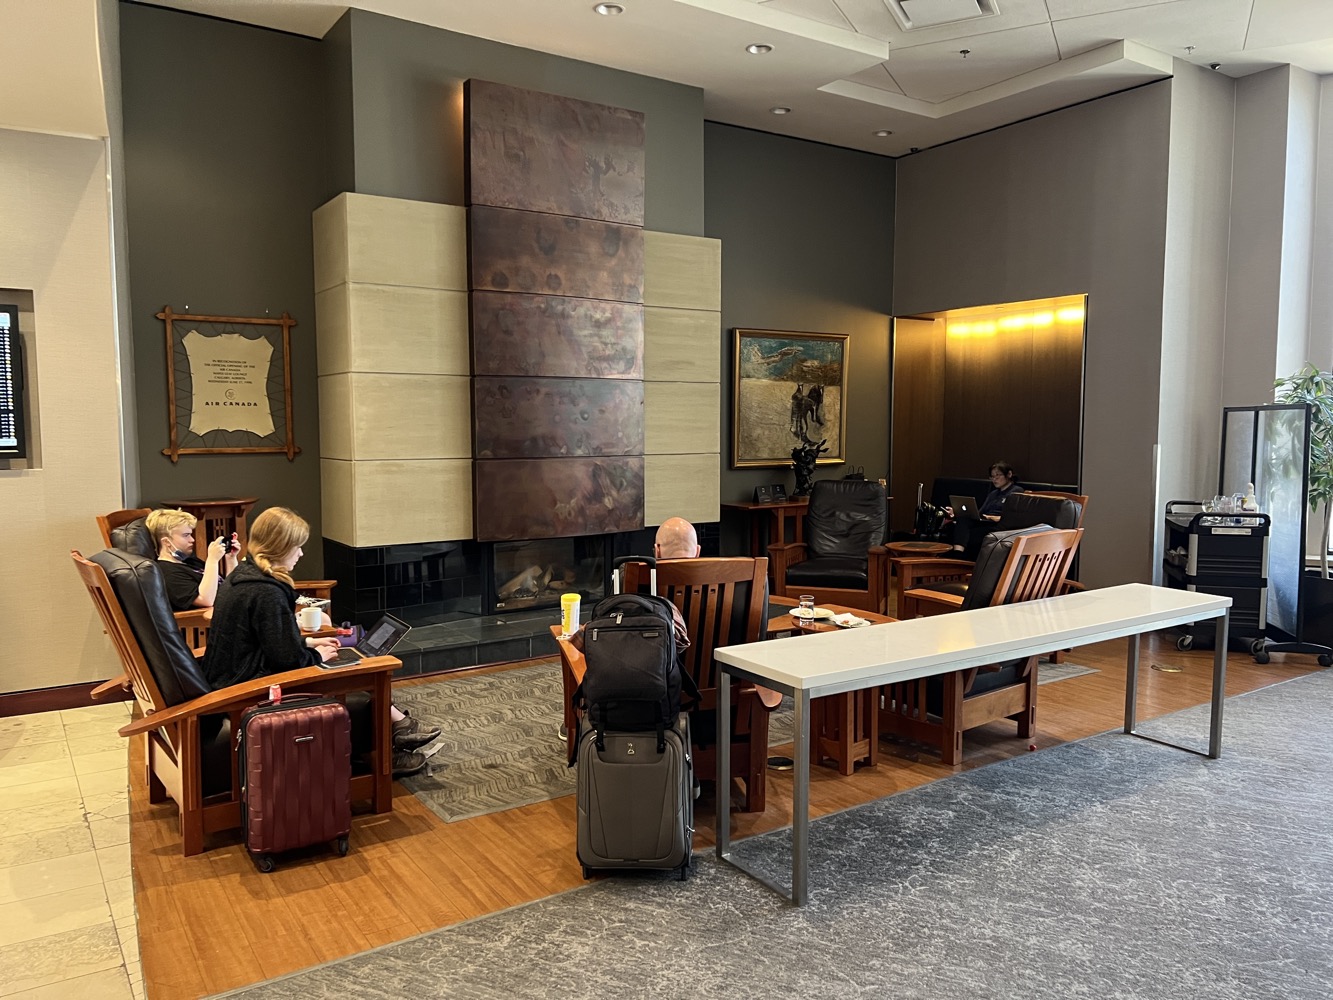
782, 556
1072, 587
573, 657
319, 589
115, 686
194, 617
256, 690
913, 571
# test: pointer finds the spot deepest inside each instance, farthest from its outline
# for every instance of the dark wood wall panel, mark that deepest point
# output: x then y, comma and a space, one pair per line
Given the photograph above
557, 417
514, 251
918, 414
516, 334
558, 497
544, 153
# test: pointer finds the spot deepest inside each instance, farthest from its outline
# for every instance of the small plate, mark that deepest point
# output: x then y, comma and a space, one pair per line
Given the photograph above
818, 613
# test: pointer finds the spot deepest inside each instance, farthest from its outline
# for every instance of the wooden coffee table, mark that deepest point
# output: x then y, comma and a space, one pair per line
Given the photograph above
844, 727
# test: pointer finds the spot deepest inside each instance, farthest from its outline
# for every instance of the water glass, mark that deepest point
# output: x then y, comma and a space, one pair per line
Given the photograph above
806, 611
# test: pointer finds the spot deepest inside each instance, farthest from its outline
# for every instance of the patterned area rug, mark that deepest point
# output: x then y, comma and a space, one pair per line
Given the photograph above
499, 747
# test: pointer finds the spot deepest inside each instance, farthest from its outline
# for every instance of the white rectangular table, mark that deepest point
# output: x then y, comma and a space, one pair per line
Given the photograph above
807, 667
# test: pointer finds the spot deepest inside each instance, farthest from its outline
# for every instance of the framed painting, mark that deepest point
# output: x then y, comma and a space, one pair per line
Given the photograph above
789, 391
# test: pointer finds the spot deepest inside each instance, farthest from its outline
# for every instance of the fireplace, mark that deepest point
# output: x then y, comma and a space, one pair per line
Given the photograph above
535, 573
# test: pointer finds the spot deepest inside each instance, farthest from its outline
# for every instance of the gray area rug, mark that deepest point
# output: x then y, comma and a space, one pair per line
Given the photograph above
1108, 868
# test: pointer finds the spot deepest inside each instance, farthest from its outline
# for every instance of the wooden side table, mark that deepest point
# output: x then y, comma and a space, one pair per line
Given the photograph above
217, 516
844, 727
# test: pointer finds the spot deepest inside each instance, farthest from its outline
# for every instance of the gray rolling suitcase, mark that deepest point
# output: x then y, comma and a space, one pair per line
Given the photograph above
636, 802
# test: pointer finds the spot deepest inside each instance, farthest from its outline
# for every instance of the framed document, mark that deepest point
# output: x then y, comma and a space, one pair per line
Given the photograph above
229, 385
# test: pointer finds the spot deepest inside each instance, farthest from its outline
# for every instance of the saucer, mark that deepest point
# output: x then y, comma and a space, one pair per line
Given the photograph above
818, 613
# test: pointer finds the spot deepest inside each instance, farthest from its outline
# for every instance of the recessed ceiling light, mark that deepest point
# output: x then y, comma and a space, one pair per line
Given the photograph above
758, 48
882, 132
609, 9
780, 110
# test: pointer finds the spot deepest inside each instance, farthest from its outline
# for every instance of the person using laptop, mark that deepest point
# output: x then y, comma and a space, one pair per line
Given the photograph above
968, 534
254, 630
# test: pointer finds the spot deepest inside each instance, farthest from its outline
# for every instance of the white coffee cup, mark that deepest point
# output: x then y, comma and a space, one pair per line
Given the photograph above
310, 618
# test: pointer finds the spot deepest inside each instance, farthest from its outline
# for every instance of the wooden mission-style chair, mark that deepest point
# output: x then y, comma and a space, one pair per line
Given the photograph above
722, 602
1024, 564
191, 753
843, 559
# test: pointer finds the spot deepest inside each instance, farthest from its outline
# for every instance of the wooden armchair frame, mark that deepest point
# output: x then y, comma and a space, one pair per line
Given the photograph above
1035, 568
174, 756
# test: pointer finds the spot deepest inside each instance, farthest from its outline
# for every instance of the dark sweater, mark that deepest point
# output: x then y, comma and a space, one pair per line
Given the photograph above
254, 630
182, 580
994, 502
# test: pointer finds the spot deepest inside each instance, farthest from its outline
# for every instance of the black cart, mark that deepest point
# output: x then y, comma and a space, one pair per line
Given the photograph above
1223, 554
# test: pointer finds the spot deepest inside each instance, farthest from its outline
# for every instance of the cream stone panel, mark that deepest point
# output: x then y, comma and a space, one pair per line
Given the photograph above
681, 345
399, 503
681, 418
337, 502
391, 241
329, 224
337, 418
681, 486
395, 329
410, 416
683, 272
332, 330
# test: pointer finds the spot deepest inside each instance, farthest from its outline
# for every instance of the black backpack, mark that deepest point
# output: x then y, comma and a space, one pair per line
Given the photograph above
633, 679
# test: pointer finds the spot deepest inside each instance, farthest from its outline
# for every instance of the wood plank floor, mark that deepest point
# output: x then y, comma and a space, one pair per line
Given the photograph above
212, 923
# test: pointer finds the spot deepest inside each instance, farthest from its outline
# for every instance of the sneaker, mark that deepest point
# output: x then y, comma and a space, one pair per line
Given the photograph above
408, 733
407, 763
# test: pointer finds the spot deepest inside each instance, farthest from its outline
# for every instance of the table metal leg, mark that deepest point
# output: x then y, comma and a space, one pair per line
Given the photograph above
722, 822
800, 801
1219, 686
1219, 693
1132, 683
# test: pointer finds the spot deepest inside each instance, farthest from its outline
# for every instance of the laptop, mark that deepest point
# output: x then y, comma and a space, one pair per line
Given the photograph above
965, 508
379, 640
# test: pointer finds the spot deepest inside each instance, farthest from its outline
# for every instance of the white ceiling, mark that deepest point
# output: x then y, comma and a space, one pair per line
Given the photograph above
847, 68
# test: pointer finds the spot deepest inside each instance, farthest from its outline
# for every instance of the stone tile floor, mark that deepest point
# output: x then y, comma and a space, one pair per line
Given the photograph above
67, 922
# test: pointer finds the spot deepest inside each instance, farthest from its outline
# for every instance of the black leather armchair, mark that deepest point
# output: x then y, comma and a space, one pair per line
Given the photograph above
843, 559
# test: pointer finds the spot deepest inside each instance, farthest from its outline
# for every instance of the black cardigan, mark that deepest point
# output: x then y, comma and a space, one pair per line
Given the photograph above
254, 630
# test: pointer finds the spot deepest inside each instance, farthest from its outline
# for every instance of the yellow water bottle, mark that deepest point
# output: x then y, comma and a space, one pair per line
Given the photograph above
569, 614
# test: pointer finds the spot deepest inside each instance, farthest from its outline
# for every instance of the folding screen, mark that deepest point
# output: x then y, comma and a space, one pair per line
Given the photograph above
555, 248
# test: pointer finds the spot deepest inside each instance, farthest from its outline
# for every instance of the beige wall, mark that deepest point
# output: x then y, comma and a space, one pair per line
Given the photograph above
394, 367
56, 242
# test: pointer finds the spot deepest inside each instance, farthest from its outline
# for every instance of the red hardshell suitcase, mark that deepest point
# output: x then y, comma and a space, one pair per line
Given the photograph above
295, 763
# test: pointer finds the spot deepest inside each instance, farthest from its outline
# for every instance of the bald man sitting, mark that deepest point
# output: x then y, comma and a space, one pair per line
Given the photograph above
677, 539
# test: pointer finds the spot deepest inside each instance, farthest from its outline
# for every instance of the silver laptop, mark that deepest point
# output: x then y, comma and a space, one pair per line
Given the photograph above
965, 508
379, 640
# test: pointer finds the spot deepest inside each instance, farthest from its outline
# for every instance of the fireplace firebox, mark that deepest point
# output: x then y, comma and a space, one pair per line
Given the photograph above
537, 572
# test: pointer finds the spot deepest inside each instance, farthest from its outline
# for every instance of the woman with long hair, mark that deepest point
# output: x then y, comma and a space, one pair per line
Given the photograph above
254, 630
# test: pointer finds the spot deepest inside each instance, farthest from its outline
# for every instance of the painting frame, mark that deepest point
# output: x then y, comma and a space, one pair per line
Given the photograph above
767, 421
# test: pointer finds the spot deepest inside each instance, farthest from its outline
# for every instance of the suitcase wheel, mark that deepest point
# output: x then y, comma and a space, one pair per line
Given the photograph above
684, 872
344, 845
587, 873
264, 862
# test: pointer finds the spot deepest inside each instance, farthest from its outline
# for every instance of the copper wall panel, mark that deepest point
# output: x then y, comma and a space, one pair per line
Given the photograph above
544, 153
557, 417
555, 335
558, 497
514, 251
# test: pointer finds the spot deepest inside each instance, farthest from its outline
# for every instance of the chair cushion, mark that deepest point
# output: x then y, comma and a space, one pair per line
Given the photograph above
139, 587
846, 518
134, 537
829, 571
990, 564
1023, 510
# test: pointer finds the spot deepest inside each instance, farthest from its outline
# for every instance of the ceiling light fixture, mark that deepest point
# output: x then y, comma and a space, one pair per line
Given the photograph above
758, 49
780, 110
882, 132
609, 9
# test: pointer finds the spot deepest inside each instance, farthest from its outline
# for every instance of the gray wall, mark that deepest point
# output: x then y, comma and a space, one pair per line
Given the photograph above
1074, 201
807, 244
224, 158
407, 82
